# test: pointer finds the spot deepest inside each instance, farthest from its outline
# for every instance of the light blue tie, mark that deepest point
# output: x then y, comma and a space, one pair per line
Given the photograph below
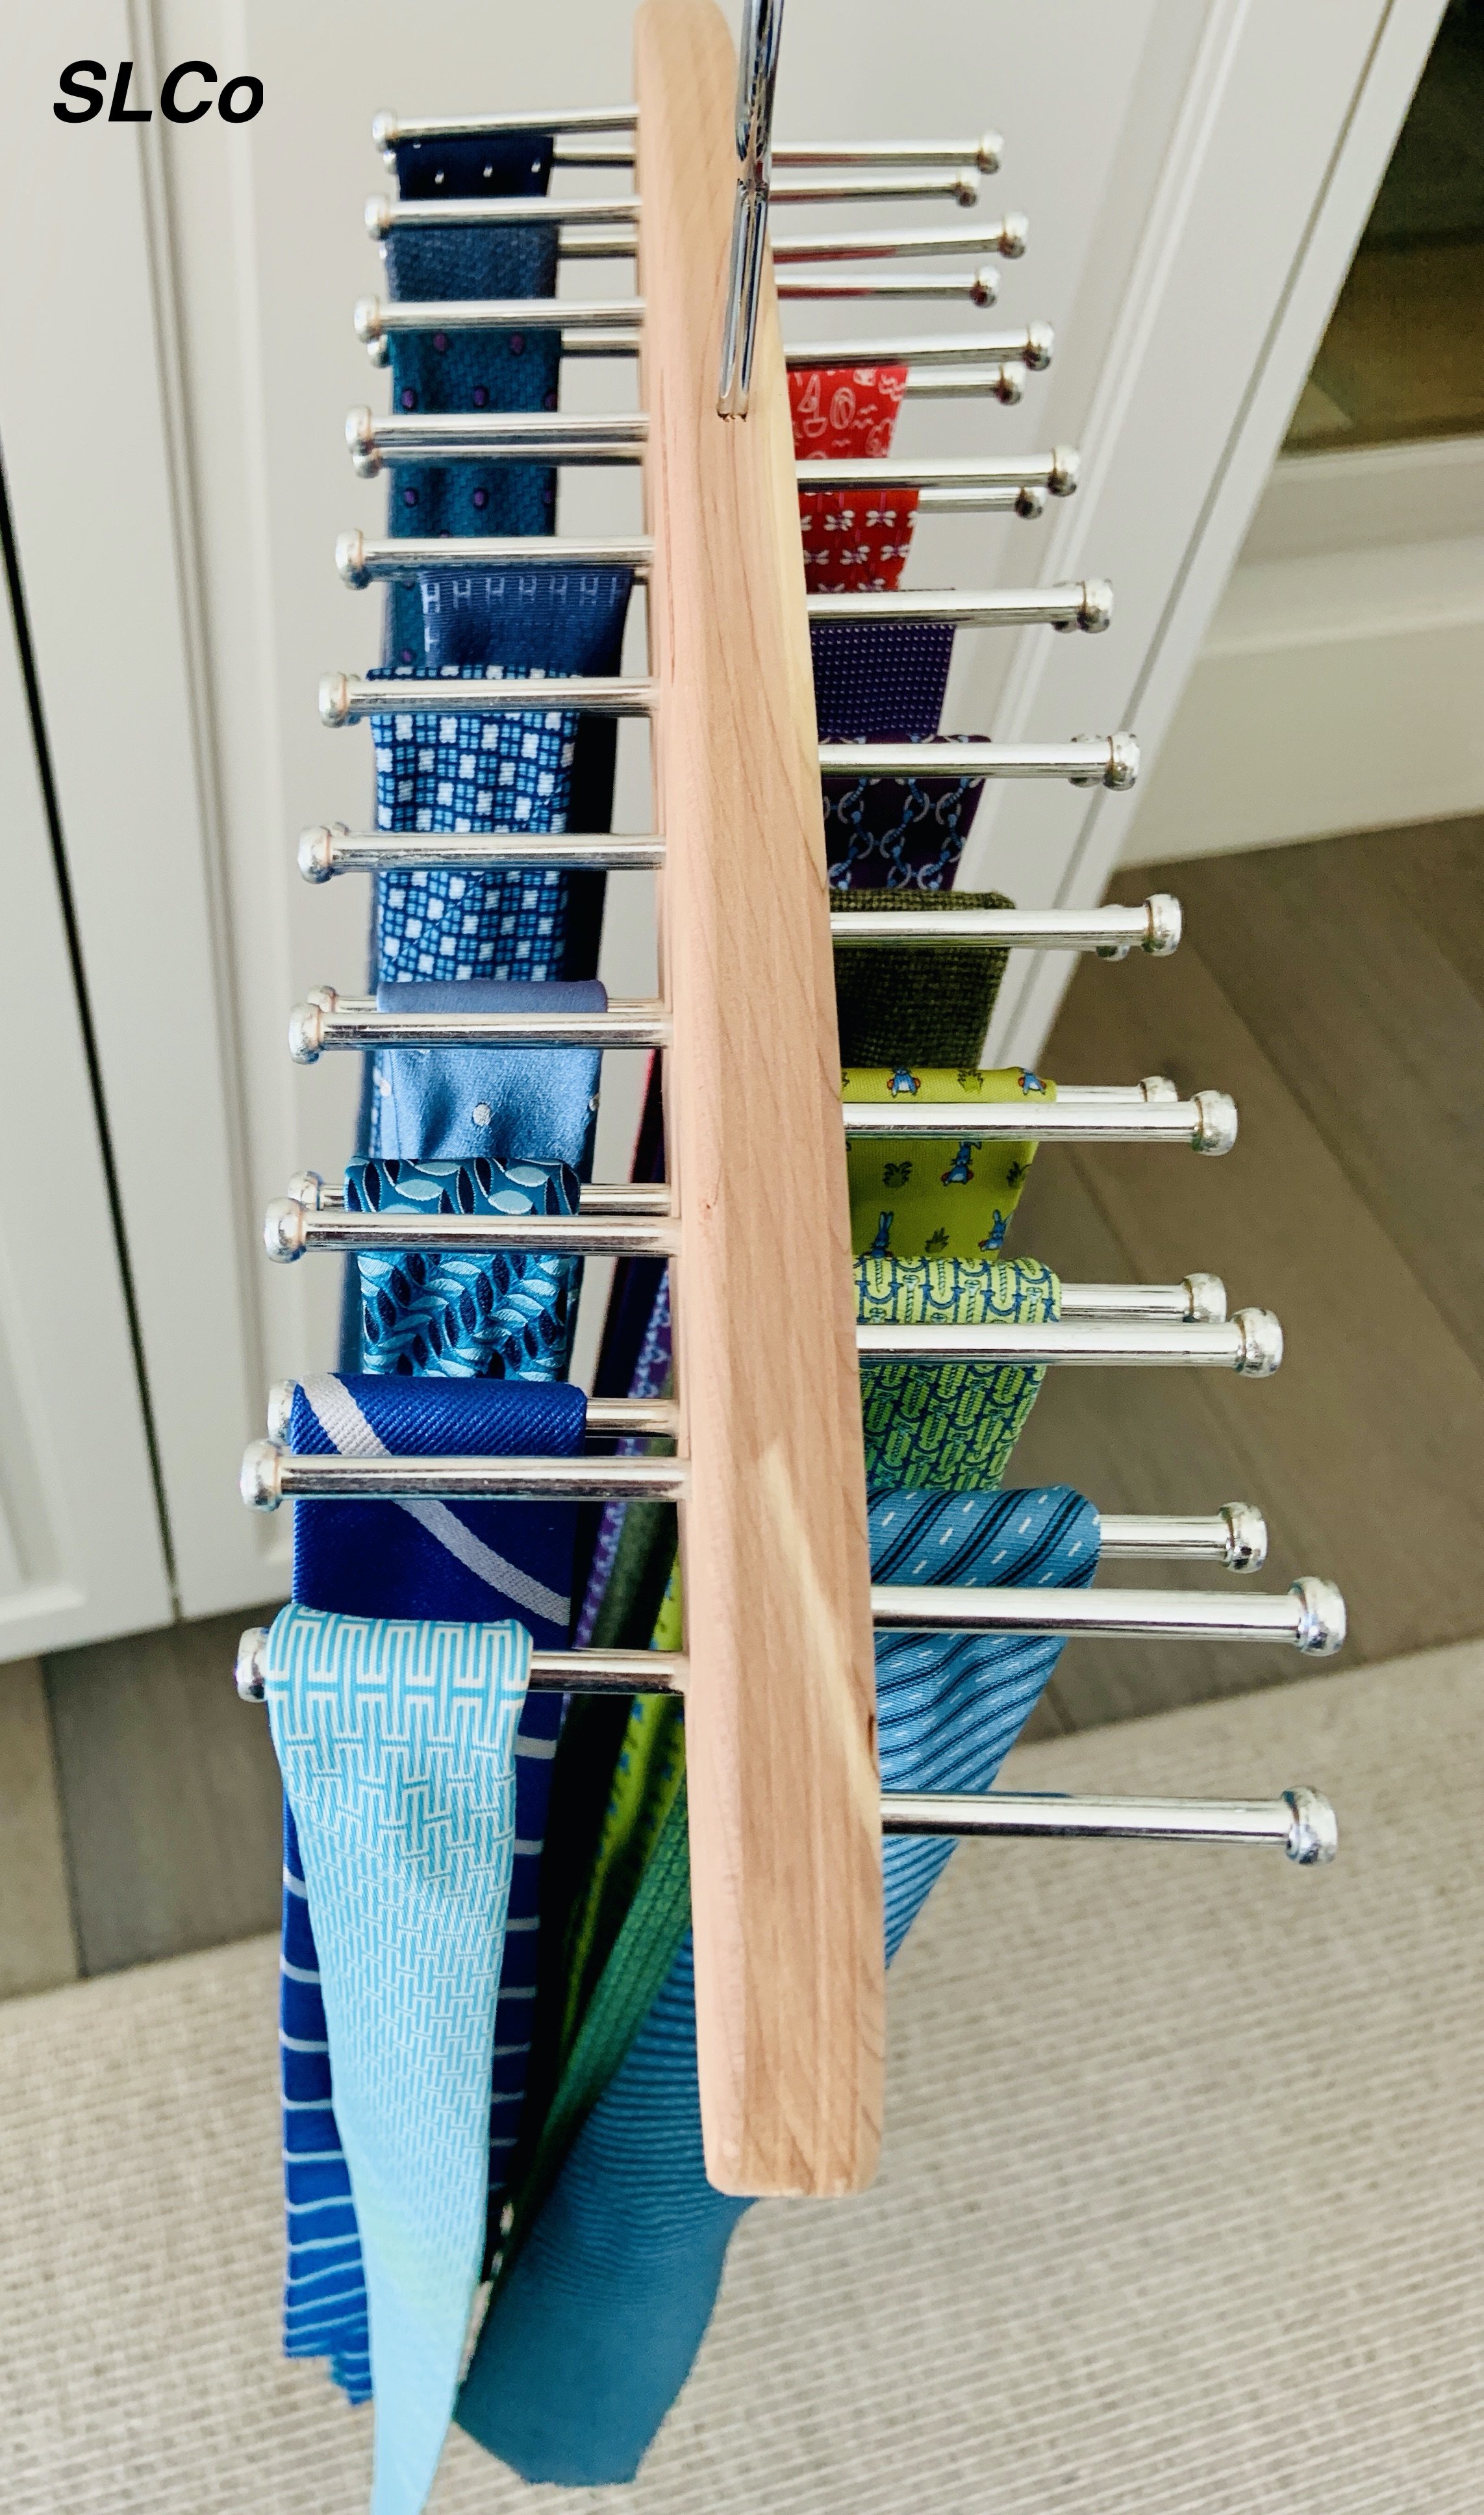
397, 1744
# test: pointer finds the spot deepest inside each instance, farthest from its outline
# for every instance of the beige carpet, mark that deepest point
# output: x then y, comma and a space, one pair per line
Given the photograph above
1183, 2208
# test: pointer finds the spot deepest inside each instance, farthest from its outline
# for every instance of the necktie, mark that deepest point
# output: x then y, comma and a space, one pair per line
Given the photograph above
842, 411
915, 1004
526, 620
466, 167
451, 772
897, 833
502, 1104
594, 2329
949, 1425
555, 621
397, 1741
469, 371
479, 1561
854, 540
324, 2296
649, 1377
880, 680
942, 1196
503, 1314
629, 1319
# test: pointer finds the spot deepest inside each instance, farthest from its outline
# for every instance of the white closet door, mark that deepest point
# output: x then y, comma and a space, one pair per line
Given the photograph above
80, 1547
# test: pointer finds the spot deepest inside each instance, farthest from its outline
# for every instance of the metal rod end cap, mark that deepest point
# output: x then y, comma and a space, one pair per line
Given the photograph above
316, 852
1205, 1295
249, 1672
1030, 501
384, 133
1121, 771
1009, 383
283, 1229
305, 1033
335, 699
258, 1482
1014, 227
351, 559
990, 154
1217, 1131
280, 1406
1066, 463
1097, 606
378, 216
1322, 1625
1262, 1343
1166, 923
966, 190
360, 437
1245, 1536
1040, 343
367, 319
307, 1188
1314, 1838
984, 287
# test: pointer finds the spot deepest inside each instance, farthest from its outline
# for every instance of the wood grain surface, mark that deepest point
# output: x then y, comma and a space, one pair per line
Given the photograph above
780, 1721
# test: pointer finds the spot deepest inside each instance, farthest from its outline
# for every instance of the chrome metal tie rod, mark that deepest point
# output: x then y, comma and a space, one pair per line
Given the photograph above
494, 436
1250, 1343
1093, 760
1301, 1822
1111, 933
1086, 605
332, 849
346, 698
326, 1020
1207, 1122
362, 562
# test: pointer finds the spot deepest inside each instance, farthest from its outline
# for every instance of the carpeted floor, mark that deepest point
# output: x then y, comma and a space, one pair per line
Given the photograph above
1182, 2210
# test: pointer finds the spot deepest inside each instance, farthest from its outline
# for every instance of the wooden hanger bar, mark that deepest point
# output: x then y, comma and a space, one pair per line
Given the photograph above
785, 1823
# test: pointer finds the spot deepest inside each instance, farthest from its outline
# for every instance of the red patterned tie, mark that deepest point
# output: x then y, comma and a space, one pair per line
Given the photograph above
854, 540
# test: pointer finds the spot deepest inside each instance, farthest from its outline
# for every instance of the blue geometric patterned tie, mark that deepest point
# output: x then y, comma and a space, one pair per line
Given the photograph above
593, 2329
454, 772
397, 1746
502, 1315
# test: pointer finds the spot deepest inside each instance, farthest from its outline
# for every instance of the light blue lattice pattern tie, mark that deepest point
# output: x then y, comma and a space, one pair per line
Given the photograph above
454, 772
397, 1744
498, 1314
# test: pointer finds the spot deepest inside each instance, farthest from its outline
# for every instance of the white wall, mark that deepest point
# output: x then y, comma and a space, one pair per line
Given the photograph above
1339, 685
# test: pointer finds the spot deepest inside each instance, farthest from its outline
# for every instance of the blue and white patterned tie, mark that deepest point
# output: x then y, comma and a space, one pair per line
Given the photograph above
397, 1746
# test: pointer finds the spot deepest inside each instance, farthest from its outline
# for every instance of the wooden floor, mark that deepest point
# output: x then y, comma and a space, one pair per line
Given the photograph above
1336, 990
